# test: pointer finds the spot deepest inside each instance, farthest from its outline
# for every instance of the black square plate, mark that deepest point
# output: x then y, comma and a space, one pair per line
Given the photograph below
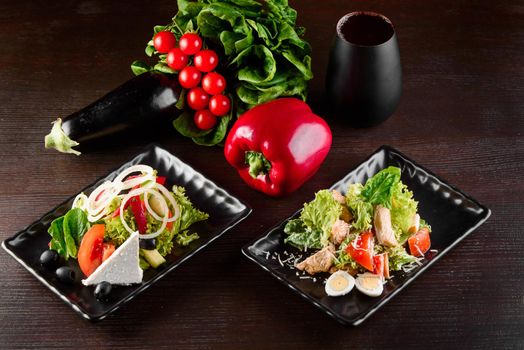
224, 210
452, 215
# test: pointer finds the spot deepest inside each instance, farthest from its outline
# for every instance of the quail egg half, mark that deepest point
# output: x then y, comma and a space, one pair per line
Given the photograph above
339, 283
369, 284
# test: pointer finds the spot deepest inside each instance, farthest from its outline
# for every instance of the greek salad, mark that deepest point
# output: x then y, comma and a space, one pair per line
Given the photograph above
121, 228
369, 232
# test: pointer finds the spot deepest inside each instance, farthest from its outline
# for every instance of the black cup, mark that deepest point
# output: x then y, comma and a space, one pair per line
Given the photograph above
364, 76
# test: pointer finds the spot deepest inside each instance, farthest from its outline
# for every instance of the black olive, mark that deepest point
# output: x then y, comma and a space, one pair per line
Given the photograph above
49, 258
102, 290
148, 244
65, 274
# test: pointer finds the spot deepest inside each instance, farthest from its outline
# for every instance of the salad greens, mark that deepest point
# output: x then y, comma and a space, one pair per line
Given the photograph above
313, 228
320, 219
261, 54
67, 232
116, 232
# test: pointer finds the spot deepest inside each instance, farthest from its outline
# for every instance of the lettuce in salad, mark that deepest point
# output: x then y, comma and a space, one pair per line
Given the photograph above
313, 228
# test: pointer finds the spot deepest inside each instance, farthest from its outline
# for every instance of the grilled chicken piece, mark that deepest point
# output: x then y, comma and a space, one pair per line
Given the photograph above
321, 261
338, 197
339, 231
346, 214
383, 228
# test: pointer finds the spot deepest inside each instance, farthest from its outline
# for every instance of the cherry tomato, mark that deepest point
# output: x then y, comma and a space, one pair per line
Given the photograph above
206, 60
219, 105
361, 250
420, 242
204, 119
190, 43
213, 83
189, 77
197, 99
164, 41
176, 59
92, 249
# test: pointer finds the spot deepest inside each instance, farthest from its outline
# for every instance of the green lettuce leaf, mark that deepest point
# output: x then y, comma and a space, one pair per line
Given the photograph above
362, 211
320, 214
302, 236
398, 257
379, 189
75, 225
403, 209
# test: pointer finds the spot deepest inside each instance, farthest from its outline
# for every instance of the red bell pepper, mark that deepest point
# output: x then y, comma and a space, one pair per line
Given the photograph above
277, 146
139, 211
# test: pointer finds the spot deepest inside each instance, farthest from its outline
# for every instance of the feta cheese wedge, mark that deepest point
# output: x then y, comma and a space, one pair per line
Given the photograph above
122, 267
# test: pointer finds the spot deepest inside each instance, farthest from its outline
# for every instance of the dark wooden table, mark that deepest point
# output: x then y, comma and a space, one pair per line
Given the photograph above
461, 116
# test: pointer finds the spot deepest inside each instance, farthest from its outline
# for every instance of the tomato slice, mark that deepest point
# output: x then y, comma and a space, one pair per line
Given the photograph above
361, 250
109, 248
420, 242
381, 265
378, 265
91, 249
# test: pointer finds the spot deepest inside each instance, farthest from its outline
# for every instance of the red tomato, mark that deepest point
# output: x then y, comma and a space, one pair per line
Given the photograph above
219, 105
176, 59
190, 43
189, 77
381, 265
164, 41
213, 83
204, 119
206, 60
109, 248
91, 249
197, 99
420, 242
361, 250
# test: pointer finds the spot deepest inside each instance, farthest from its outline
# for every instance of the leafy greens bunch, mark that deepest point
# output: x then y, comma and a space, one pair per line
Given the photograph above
261, 54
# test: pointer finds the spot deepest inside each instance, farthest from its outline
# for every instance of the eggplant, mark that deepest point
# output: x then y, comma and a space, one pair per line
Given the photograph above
147, 98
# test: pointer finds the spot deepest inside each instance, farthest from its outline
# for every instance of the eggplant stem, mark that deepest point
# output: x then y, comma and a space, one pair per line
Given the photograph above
58, 139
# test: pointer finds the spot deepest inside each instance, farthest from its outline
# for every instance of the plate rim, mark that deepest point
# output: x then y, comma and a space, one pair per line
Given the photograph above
149, 149
355, 321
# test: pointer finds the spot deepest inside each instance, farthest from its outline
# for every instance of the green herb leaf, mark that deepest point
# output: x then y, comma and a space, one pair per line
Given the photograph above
58, 243
150, 50
140, 67
76, 224
163, 68
185, 125
217, 135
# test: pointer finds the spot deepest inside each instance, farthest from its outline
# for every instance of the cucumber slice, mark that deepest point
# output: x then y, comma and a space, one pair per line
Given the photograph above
153, 257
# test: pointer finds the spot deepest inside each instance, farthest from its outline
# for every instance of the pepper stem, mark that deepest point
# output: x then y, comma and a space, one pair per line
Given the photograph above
258, 164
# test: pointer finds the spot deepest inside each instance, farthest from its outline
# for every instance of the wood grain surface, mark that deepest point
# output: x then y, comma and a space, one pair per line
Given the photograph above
461, 115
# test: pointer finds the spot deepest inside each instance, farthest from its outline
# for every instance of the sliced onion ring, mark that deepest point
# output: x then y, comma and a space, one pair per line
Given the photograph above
138, 168
137, 181
108, 191
80, 201
138, 192
171, 200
